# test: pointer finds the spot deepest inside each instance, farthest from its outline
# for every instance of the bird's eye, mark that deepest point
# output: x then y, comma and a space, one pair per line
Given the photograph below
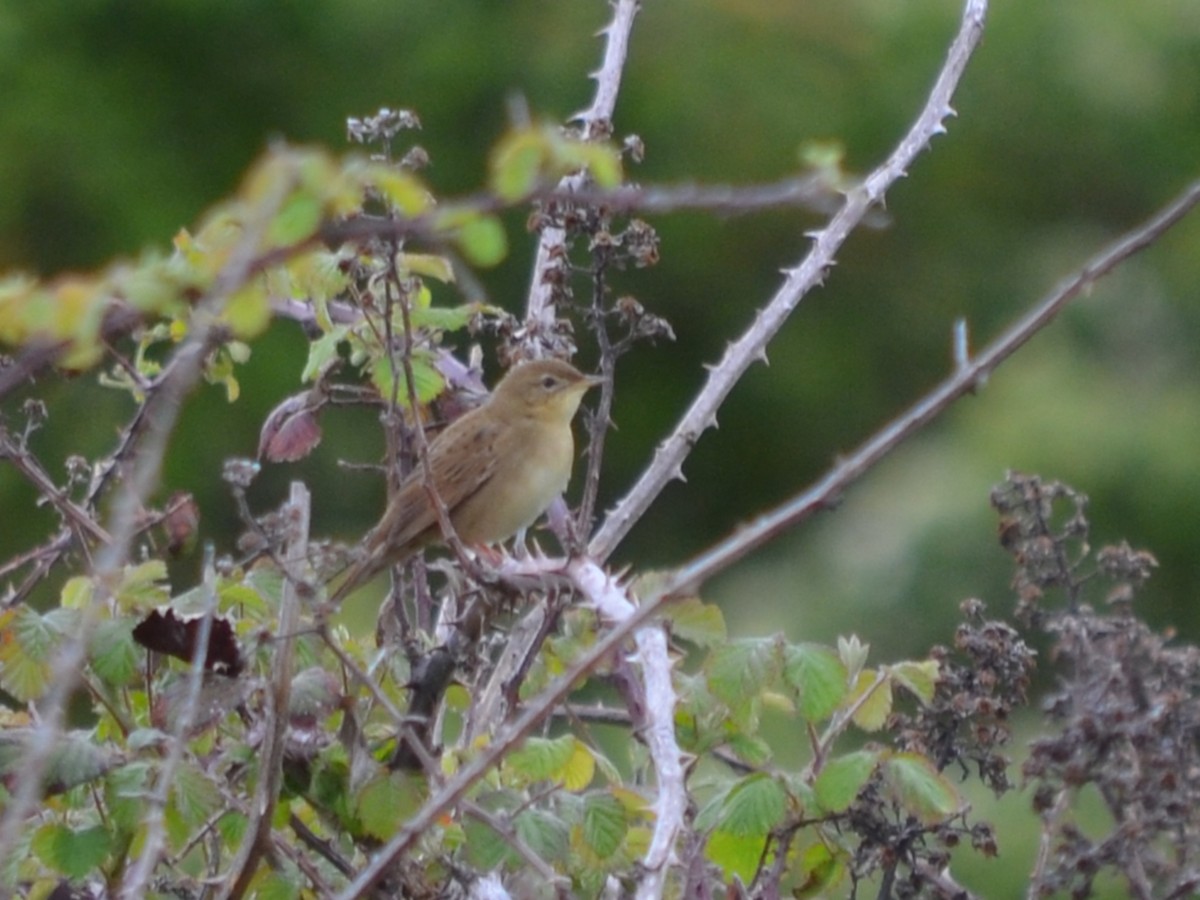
549, 382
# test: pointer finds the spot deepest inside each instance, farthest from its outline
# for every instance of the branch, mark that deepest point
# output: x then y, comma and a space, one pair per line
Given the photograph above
667, 464
270, 767
161, 412
969, 375
134, 884
583, 575
597, 124
699, 569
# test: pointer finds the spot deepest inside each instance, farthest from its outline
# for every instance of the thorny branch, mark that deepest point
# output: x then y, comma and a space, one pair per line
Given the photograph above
668, 460
597, 124
965, 379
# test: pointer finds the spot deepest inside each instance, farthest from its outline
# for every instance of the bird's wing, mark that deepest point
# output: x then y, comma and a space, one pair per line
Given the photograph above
463, 459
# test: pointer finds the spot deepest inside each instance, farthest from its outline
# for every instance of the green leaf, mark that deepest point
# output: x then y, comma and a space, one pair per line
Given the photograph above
919, 678
842, 778
483, 241
73, 853
873, 710
737, 854
322, 352
516, 163
754, 806
750, 748
429, 381
296, 220
542, 759
125, 789
385, 802
818, 676
738, 670
315, 693
920, 787
26, 643
193, 795
277, 884
544, 834
76, 759
703, 624
485, 848
113, 655
605, 824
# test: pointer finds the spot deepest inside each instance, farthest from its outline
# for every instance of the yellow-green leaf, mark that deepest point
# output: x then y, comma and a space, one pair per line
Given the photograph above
920, 787
842, 778
919, 678
483, 241
579, 770
736, 854
694, 620
874, 708
516, 163
428, 264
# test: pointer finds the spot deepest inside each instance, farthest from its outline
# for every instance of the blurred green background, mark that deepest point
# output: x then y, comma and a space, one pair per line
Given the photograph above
121, 122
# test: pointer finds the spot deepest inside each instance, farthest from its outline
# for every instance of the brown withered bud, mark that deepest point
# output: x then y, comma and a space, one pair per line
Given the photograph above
292, 430
181, 521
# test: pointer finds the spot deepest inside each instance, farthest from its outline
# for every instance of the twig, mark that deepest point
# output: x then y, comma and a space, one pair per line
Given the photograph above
965, 379
667, 464
597, 123
699, 569
24, 462
510, 836
161, 412
456, 787
134, 885
270, 769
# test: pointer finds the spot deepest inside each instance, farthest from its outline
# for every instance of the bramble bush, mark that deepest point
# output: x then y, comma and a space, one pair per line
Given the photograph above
518, 724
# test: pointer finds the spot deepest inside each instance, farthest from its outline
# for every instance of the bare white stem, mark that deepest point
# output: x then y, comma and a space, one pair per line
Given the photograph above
596, 120
667, 464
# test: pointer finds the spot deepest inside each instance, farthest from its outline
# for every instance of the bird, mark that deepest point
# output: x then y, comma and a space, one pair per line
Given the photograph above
496, 469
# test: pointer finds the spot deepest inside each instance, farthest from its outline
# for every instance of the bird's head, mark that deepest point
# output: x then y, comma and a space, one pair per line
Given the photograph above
547, 389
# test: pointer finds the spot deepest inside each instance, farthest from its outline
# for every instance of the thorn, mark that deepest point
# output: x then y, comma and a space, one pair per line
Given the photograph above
761, 356
962, 350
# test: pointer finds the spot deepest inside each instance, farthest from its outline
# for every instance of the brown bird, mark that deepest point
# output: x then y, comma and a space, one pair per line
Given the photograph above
496, 469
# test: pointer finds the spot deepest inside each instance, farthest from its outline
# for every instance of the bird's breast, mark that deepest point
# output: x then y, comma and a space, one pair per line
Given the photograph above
533, 467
